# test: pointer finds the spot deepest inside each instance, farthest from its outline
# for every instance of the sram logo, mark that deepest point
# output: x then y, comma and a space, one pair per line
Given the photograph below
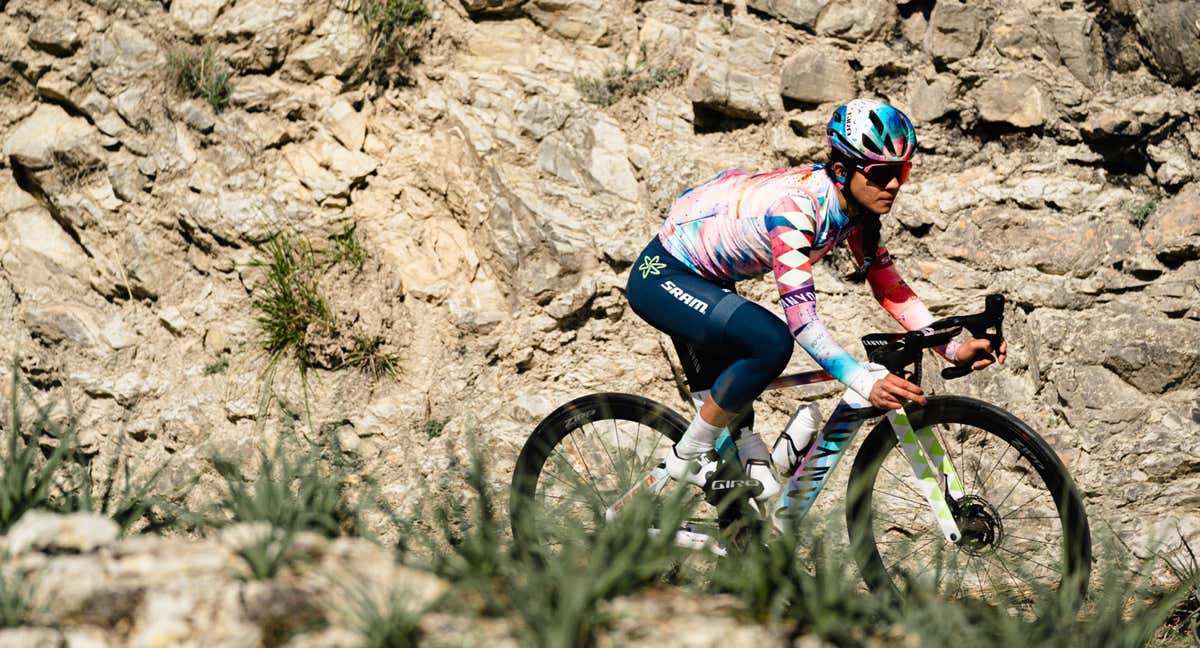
687, 299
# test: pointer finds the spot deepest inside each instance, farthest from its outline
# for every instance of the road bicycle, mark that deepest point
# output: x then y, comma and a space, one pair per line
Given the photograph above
957, 493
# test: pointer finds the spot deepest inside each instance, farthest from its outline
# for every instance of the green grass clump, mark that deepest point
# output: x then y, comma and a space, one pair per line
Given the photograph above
290, 303
617, 83
433, 427
199, 74
392, 40
348, 248
369, 354
15, 601
1140, 212
387, 622
293, 491
216, 367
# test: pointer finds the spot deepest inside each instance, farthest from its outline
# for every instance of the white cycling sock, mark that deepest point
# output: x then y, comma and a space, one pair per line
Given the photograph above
699, 438
685, 459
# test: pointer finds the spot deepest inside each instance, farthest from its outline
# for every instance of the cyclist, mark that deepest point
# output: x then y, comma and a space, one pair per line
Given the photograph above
740, 225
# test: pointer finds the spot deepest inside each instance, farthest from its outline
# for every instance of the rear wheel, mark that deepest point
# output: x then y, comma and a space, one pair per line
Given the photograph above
584, 457
1024, 530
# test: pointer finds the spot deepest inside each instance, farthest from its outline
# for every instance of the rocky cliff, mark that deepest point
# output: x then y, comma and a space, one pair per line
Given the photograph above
504, 168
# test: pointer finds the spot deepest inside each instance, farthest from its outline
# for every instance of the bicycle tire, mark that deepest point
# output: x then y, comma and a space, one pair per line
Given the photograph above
945, 411
561, 423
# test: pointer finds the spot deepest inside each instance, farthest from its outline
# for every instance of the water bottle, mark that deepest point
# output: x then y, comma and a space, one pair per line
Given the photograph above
793, 442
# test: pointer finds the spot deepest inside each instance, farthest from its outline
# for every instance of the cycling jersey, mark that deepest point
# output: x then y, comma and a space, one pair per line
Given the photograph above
740, 225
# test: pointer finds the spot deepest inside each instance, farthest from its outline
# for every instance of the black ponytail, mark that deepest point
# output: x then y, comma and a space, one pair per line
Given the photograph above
871, 231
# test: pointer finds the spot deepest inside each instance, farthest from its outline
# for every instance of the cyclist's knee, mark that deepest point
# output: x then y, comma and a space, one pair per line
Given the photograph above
777, 346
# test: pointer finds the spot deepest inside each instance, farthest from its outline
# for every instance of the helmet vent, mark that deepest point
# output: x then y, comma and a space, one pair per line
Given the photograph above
871, 146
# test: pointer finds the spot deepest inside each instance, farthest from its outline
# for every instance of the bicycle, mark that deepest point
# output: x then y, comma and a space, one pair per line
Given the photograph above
992, 520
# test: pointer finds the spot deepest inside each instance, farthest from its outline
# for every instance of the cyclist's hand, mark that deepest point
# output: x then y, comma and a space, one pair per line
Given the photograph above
967, 352
891, 391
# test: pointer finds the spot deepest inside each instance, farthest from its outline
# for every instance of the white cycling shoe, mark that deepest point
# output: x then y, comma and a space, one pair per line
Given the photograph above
693, 470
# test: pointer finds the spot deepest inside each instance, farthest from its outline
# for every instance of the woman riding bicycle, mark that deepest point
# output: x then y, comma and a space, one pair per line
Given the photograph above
741, 225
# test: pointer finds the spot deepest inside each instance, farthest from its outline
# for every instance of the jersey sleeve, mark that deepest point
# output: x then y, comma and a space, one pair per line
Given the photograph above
791, 226
894, 294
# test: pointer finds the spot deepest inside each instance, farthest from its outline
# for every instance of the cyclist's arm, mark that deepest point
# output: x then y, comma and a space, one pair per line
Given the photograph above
791, 224
894, 294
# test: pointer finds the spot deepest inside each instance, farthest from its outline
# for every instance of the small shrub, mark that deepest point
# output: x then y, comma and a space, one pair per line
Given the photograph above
1140, 212
198, 73
269, 554
292, 492
15, 601
74, 168
347, 248
369, 355
617, 83
388, 623
217, 367
291, 302
392, 41
433, 427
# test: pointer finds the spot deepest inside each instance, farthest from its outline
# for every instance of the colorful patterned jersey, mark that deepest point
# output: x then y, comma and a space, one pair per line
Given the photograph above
741, 225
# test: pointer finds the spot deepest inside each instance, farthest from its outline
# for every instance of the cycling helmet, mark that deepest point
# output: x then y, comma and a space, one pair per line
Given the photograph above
869, 130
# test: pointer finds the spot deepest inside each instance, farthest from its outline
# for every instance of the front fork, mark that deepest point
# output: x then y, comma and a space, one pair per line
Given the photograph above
937, 480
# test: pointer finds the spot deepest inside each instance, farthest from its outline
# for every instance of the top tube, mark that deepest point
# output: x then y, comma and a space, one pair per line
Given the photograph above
796, 379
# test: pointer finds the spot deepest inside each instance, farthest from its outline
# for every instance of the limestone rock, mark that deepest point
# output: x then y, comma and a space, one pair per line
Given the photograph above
1173, 231
609, 164
196, 113
262, 30
818, 74
338, 49
587, 21
59, 322
801, 13
1174, 162
728, 74
346, 124
479, 308
32, 638
48, 131
1172, 30
52, 532
172, 319
1076, 40
857, 21
234, 215
493, 7
932, 100
955, 29
1018, 100
122, 56
327, 168
197, 15
56, 36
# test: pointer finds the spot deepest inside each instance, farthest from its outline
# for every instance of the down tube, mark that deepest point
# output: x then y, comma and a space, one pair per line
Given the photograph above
806, 483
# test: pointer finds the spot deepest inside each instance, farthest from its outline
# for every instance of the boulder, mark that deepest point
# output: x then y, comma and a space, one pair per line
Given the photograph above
818, 74
801, 13
955, 29
1075, 39
1173, 159
122, 56
346, 124
35, 141
1172, 30
52, 532
609, 159
59, 322
929, 100
586, 21
327, 168
1173, 231
197, 16
53, 35
261, 32
1016, 99
493, 7
338, 49
234, 215
858, 21
731, 75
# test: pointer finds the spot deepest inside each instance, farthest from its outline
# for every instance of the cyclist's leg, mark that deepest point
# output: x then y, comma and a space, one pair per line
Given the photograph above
721, 327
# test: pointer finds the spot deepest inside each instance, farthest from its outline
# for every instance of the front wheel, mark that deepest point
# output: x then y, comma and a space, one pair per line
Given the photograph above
1024, 530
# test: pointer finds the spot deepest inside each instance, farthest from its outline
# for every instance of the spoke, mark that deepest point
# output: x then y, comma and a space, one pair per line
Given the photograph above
1031, 517
1028, 559
979, 584
922, 546
906, 499
901, 482
637, 450
993, 470
1016, 482
1027, 502
600, 437
599, 496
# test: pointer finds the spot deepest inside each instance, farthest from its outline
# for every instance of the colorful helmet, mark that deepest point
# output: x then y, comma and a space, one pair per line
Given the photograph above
870, 130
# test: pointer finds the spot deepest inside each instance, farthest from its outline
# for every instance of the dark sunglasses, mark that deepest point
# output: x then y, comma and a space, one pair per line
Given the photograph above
882, 173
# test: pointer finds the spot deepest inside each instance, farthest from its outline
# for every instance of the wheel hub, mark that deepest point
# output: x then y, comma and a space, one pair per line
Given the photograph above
982, 531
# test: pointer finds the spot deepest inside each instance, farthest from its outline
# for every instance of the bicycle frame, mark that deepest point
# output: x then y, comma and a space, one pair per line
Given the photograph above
930, 464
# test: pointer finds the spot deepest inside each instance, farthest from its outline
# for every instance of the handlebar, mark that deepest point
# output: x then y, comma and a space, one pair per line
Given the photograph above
899, 350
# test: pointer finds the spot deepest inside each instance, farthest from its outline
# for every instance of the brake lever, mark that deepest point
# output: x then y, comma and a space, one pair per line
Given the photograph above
992, 317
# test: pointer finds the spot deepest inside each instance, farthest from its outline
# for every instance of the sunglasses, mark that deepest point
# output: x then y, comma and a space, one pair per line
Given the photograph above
881, 174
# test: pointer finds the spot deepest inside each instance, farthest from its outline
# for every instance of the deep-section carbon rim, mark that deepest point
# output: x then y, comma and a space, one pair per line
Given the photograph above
1025, 530
584, 456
